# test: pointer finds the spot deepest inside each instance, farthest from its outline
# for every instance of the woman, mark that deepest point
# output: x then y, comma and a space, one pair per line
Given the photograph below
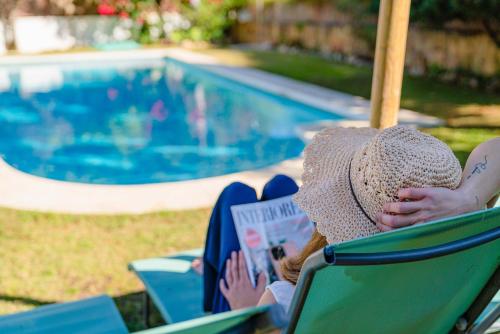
349, 174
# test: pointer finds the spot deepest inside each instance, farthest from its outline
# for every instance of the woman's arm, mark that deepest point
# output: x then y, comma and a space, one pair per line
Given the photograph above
267, 298
479, 186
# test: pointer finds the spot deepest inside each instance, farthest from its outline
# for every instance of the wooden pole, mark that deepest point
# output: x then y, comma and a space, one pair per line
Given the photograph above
392, 30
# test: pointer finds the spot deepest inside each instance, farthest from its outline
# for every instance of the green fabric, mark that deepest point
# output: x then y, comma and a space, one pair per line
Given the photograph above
419, 297
210, 324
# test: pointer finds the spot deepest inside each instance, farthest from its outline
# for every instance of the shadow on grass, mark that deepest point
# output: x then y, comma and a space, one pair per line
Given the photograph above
132, 306
25, 300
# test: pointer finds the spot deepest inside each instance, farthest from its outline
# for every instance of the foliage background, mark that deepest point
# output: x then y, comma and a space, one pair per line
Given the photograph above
211, 20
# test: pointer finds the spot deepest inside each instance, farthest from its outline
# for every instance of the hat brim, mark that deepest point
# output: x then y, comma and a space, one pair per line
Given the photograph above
326, 195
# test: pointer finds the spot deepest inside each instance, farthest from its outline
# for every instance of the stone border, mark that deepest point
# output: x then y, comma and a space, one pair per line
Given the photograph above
20, 190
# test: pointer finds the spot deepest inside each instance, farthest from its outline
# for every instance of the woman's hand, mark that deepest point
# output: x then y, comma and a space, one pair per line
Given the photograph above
239, 291
419, 205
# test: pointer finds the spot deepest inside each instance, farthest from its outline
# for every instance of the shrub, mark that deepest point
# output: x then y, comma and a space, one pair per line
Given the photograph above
210, 20
145, 15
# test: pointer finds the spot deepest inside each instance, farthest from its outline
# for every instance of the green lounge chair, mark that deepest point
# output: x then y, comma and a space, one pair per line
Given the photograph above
171, 282
424, 279
96, 315
431, 278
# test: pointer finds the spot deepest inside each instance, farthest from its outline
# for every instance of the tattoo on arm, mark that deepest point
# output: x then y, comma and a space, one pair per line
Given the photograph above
479, 167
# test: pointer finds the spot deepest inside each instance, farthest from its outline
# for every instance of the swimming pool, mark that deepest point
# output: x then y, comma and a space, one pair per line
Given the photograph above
142, 121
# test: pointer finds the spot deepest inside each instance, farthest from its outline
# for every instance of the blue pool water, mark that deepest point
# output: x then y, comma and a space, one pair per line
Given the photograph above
140, 122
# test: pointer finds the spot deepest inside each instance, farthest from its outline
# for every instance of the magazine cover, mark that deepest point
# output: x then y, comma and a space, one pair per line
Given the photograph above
269, 231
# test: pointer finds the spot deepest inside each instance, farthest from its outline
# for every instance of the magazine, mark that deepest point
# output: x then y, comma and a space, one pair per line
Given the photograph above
269, 231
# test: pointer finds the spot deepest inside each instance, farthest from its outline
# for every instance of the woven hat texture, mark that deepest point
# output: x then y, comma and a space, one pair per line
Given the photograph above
350, 173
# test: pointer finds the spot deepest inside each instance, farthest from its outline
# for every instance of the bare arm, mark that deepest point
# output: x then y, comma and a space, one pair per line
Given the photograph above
481, 177
479, 186
267, 298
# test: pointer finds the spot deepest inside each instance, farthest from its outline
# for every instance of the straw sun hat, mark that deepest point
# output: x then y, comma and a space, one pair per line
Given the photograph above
350, 173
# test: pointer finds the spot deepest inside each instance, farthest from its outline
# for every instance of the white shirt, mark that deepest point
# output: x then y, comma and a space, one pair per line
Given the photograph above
283, 292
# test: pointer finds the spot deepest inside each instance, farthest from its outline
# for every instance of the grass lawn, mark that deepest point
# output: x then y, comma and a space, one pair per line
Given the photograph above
48, 258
